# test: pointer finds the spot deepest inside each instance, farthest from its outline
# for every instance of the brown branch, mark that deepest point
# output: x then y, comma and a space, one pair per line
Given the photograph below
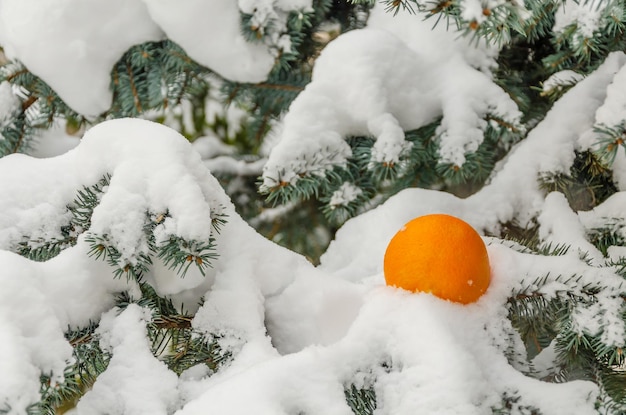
19, 142
81, 340
29, 102
185, 58
261, 130
232, 94
290, 88
16, 74
183, 87
503, 123
172, 322
134, 89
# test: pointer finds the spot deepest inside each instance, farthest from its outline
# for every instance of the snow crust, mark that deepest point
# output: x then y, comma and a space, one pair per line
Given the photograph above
299, 334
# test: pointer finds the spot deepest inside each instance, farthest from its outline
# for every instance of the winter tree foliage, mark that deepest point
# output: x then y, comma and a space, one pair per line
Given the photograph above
198, 196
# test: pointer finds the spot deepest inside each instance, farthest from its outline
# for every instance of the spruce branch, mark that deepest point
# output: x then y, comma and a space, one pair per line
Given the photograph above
86, 201
179, 254
43, 250
280, 87
218, 220
101, 247
190, 349
588, 184
610, 141
609, 235
172, 337
89, 362
133, 89
80, 211
362, 401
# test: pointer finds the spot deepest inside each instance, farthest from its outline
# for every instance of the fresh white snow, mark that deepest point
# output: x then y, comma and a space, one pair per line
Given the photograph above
398, 74
9, 103
298, 333
584, 16
73, 44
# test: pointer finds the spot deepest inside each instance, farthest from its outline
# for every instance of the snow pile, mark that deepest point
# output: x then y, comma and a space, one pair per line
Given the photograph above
299, 334
73, 44
398, 74
426, 356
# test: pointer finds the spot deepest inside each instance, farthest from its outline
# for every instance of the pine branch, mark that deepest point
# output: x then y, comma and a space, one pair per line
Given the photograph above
179, 254
173, 339
133, 89
89, 362
281, 87
362, 401
172, 322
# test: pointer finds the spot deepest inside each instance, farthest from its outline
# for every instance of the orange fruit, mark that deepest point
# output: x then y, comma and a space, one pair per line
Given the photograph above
438, 254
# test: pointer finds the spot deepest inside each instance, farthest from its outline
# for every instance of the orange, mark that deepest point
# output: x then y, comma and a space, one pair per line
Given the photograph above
439, 254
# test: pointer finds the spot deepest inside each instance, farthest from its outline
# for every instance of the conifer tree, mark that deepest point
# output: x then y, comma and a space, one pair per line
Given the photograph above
508, 112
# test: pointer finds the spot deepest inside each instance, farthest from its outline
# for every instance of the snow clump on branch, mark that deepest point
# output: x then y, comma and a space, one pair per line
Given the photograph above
379, 82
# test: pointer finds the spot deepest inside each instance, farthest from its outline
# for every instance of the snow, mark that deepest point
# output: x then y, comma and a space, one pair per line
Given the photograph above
513, 192
613, 111
9, 103
196, 24
346, 193
560, 79
73, 44
299, 334
134, 381
560, 226
37, 303
586, 16
52, 142
400, 74
56, 40
610, 115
